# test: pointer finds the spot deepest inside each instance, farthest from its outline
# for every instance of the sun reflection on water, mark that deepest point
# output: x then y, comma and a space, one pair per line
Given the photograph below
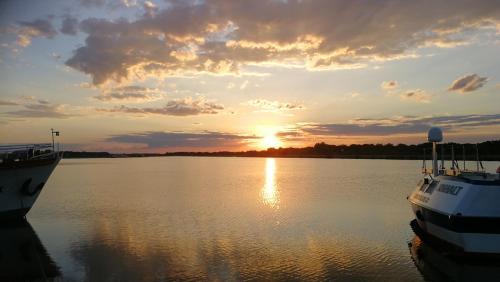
270, 193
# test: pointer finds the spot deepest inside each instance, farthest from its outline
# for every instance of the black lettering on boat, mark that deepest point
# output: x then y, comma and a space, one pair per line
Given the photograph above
450, 189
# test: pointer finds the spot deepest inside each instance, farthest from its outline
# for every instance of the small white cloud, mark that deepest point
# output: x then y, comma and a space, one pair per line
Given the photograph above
273, 106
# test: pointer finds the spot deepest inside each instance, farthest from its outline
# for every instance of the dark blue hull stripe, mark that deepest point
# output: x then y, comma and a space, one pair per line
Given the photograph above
472, 181
461, 224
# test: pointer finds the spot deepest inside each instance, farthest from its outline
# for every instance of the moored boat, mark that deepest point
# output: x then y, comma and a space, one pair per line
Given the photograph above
24, 170
459, 206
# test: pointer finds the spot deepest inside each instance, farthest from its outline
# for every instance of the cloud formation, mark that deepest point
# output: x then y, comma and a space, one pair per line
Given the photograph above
92, 3
130, 94
69, 26
30, 107
176, 107
8, 103
26, 30
220, 36
398, 126
273, 106
468, 83
205, 139
150, 8
389, 85
417, 95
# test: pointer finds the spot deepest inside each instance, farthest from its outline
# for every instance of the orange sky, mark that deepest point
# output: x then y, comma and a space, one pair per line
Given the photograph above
154, 76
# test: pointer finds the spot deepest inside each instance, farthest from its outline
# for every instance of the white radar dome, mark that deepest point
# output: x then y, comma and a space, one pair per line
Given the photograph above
435, 134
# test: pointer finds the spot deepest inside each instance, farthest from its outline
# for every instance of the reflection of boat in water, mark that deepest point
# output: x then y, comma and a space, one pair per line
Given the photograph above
22, 255
460, 207
24, 170
436, 265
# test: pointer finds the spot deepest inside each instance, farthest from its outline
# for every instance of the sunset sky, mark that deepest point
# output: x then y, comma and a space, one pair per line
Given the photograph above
160, 75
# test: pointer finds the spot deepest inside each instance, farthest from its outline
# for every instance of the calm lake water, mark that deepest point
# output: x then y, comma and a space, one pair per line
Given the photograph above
187, 218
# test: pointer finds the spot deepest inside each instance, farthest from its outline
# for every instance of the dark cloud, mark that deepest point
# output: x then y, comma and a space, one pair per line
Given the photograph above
468, 83
92, 3
176, 107
38, 28
150, 8
403, 125
182, 139
69, 26
109, 5
365, 130
220, 36
131, 93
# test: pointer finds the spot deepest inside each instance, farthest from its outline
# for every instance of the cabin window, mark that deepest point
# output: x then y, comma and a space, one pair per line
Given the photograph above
431, 187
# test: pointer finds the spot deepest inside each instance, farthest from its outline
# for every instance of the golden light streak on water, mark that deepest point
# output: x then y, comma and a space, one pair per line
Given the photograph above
270, 192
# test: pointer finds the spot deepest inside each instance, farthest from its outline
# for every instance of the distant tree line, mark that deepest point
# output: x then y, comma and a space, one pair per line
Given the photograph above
77, 155
488, 151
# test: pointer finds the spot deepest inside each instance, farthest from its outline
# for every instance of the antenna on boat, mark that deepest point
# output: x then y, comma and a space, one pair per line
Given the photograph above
54, 133
424, 164
435, 135
478, 161
477, 158
452, 159
442, 156
463, 154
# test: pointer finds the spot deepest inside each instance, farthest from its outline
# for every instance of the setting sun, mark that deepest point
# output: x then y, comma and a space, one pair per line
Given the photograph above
270, 141
249, 140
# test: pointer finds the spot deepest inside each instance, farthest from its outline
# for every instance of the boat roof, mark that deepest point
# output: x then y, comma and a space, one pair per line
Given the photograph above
476, 178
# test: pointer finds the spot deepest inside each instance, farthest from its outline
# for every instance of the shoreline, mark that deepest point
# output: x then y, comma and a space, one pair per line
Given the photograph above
488, 151
347, 157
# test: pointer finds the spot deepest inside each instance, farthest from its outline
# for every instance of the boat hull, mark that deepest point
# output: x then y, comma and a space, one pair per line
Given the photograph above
466, 215
21, 184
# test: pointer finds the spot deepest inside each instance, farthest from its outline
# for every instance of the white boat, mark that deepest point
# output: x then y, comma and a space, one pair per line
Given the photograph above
24, 170
457, 206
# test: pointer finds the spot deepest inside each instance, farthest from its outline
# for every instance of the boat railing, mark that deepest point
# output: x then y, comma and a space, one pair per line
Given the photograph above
19, 147
453, 171
19, 152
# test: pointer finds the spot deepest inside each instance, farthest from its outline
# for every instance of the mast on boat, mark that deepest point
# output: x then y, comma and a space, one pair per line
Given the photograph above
435, 135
